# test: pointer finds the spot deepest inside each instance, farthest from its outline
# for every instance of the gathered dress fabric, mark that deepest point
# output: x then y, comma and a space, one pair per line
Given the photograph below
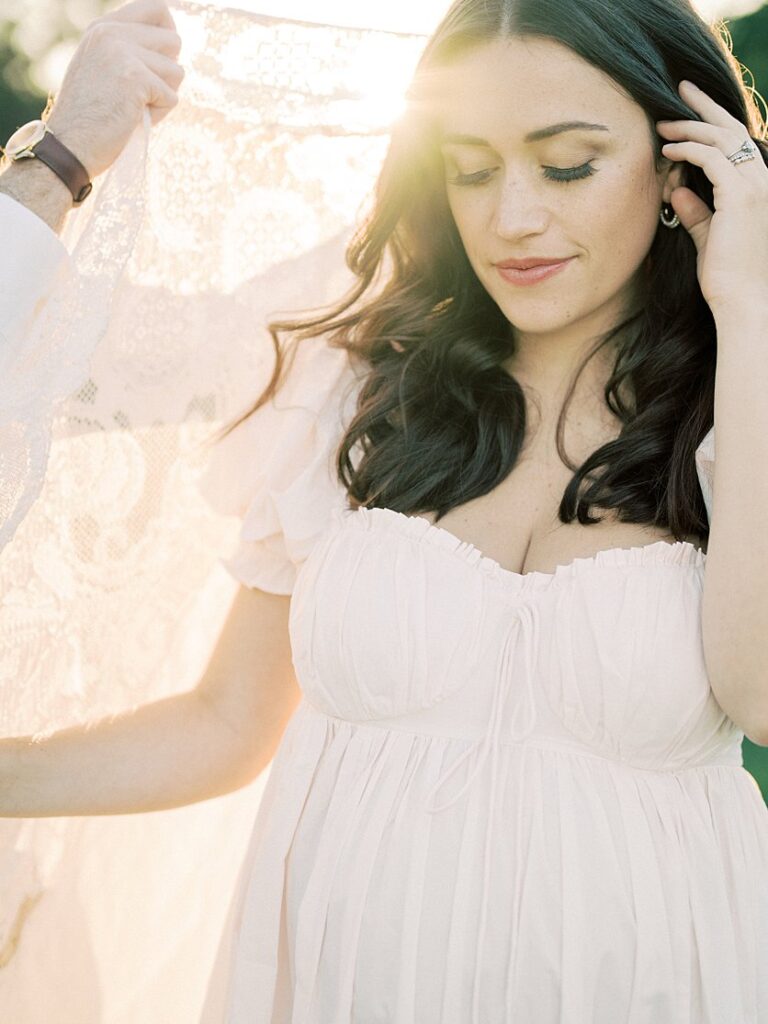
502, 797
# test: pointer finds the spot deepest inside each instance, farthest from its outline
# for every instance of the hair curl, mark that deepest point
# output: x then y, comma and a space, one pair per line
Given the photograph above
439, 421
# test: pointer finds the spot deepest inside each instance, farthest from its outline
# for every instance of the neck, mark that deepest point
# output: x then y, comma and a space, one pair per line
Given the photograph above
546, 362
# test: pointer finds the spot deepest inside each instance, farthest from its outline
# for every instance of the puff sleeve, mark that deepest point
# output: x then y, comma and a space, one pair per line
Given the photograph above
275, 472
705, 468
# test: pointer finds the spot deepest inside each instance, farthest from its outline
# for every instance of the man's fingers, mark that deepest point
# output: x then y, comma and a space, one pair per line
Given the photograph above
162, 98
150, 12
150, 37
163, 67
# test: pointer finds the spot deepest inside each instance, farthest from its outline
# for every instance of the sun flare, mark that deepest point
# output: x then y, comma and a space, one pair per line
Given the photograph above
384, 71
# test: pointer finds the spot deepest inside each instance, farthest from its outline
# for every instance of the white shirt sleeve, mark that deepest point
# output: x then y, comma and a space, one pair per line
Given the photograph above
705, 468
31, 254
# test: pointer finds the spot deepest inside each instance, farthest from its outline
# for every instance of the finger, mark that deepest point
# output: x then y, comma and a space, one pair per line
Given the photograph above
702, 131
151, 12
163, 40
704, 105
169, 70
149, 37
694, 214
161, 98
712, 160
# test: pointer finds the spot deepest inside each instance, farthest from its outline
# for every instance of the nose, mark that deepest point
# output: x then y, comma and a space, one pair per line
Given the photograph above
520, 210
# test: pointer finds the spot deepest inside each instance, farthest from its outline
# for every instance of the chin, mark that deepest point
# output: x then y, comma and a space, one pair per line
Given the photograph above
545, 311
530, 321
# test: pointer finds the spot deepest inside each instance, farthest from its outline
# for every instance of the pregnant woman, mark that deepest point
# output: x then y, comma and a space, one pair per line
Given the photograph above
502, 624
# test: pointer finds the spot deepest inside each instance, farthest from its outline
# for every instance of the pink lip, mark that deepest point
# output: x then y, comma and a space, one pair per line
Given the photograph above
533, 274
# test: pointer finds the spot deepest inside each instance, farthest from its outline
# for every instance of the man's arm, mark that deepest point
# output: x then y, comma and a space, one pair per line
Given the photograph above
36, 186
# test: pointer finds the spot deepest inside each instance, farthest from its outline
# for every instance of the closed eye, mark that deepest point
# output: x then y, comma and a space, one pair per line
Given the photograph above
569, 173
550, 173
478, 178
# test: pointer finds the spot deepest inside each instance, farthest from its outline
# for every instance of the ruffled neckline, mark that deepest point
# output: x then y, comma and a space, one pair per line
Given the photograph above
657, 553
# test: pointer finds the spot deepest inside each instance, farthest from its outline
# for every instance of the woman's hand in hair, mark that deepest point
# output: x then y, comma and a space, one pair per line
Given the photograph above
732, 242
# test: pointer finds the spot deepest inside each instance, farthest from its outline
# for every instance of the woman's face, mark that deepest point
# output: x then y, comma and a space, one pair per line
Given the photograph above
506, 98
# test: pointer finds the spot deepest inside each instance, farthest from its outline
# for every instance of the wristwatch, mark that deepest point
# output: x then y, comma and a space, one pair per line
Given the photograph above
35, 139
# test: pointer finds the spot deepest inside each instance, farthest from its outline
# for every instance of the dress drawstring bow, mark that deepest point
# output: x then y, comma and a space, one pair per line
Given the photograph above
522, 630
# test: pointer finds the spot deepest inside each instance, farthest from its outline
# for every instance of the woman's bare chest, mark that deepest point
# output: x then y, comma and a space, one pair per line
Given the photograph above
517, 523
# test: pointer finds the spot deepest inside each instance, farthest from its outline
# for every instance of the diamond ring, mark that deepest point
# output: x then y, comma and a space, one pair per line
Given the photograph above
746, 151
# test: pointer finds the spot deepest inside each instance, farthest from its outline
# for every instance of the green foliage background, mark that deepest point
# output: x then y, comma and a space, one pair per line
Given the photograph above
750, 44
21, 100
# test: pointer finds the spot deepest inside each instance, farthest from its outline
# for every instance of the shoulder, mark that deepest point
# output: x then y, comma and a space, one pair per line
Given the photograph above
319, 378
276, 471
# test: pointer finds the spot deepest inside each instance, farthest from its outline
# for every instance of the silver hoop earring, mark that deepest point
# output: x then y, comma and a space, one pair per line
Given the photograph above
666, 220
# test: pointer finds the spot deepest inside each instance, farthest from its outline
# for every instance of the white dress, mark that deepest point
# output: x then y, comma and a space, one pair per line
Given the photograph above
502, 797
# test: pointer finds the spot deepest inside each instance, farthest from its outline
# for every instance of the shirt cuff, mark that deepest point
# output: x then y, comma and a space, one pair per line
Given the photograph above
31, 254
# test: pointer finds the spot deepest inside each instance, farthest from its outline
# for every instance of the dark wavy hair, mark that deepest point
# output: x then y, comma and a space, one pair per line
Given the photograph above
439, 421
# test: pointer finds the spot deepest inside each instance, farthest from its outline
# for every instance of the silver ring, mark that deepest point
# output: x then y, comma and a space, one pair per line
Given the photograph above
746, 151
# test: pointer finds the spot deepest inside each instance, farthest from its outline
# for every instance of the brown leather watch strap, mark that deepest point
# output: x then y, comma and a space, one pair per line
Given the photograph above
65, 164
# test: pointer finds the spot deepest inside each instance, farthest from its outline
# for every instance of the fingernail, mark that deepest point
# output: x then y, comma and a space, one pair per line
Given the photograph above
685, 81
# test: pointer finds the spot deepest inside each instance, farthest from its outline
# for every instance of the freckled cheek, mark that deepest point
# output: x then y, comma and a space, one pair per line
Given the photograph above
619, 225
474, 221
473, 215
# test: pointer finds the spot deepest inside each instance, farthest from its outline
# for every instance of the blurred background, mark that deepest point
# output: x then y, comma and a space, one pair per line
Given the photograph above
38, 37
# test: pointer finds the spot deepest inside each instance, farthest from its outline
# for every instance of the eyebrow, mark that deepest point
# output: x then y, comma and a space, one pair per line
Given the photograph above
535, 136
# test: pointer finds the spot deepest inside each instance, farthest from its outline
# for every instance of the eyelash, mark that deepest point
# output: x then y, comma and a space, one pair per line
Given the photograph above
561, 174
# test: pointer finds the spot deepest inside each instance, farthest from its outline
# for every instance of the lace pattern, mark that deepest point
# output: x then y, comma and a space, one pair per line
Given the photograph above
234, 209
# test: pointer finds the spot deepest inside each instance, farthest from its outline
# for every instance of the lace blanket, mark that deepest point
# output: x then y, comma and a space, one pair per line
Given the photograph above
235, 209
